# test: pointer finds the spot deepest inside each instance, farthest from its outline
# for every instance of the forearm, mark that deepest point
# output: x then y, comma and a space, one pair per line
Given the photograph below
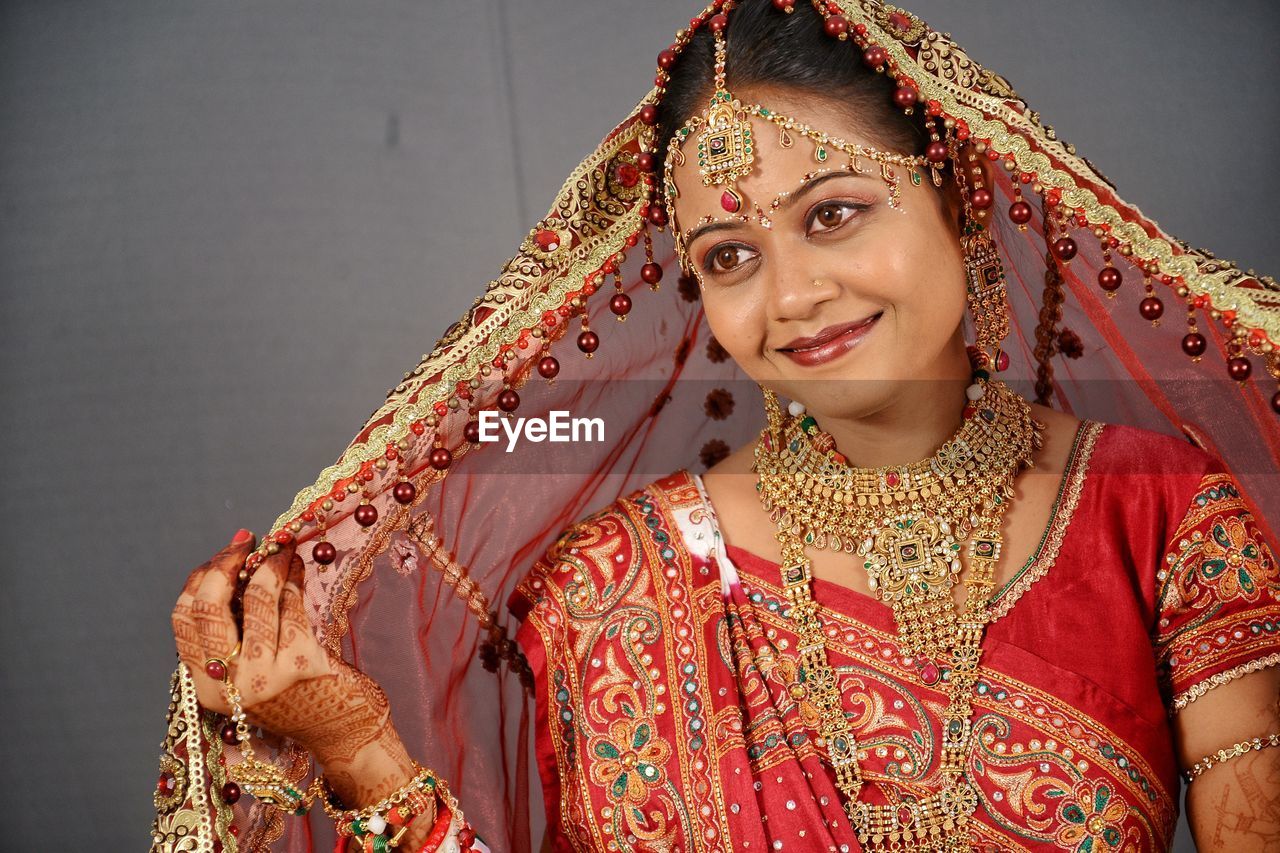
1235, 806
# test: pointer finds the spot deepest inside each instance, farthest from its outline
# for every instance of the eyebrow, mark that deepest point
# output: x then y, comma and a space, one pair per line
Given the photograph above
807, 188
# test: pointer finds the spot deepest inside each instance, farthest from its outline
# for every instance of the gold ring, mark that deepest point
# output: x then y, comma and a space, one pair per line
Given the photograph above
217, 669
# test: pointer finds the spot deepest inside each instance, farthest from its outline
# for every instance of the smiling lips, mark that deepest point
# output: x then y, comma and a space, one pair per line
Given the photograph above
829, 344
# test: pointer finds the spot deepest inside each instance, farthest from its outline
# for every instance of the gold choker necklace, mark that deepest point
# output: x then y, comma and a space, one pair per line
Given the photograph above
908, 525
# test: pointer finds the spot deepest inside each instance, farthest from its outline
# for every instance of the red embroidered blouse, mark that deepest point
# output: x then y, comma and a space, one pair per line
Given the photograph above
663, 660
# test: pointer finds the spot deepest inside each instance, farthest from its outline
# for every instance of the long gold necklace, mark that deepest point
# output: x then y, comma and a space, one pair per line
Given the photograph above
908, 524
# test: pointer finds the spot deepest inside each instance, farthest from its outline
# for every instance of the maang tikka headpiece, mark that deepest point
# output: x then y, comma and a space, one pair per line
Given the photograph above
726, 147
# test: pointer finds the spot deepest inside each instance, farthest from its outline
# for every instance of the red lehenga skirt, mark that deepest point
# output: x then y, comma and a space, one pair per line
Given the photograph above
663, 659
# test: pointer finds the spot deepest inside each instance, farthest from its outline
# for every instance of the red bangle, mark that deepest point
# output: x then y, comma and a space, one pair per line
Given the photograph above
438, 832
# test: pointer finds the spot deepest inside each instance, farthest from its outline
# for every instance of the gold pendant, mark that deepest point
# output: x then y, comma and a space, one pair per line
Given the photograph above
725, 147
911, 557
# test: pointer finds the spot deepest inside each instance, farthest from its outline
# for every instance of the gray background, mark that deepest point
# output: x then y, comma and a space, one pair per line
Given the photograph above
226, 228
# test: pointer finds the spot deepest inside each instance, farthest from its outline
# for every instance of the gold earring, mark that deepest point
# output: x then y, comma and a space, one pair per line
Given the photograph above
986, 287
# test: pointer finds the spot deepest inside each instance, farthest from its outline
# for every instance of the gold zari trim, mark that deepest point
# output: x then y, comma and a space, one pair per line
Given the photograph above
1200, 688
1064, 510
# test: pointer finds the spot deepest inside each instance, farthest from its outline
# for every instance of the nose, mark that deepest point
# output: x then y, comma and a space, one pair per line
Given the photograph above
798, 288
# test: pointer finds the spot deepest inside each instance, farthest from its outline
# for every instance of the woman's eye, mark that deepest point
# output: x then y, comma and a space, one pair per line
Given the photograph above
726, 258
831, 215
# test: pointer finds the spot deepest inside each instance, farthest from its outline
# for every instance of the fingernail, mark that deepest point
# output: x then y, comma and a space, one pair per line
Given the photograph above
242, 536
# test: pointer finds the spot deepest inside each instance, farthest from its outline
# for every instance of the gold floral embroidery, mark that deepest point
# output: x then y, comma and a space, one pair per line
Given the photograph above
631, 759
1232, 560
1092, 818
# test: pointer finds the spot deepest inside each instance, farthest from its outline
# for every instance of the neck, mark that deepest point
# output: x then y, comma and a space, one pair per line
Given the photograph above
911, 426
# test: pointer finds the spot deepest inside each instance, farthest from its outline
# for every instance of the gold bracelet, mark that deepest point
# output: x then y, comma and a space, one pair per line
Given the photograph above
394, 813
1242, 748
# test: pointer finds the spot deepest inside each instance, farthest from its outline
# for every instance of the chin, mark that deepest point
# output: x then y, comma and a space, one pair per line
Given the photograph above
846, 398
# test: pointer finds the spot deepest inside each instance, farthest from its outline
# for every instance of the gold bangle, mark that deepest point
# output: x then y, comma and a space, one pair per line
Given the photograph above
1242, 748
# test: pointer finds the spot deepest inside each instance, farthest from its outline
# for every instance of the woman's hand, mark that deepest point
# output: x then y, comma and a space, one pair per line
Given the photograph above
289, 684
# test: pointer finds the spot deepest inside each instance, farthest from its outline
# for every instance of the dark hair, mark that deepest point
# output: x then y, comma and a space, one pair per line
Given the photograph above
767, 47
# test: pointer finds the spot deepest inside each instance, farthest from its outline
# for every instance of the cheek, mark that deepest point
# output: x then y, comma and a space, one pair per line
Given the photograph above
924, 279
737, 321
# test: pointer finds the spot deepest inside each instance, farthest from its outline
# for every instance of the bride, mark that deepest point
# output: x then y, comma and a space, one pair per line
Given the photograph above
992, 572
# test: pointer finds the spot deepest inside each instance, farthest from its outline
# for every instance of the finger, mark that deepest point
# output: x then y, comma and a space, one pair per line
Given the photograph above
262, 608
188, 594
211, 606
299, 652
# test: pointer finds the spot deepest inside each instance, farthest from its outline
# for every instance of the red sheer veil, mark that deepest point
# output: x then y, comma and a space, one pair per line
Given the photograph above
417, 593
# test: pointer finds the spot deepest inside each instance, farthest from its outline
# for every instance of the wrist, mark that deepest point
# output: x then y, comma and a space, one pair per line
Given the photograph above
370, 773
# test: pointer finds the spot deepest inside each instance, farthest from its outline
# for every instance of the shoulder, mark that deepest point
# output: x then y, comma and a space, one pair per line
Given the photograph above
646, 507
602, 556
1123, 449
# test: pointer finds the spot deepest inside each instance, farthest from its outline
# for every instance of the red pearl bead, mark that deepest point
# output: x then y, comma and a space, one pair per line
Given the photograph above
657, 215
471, 432
418, 427
215, 670
366, 515
666, 59
508, 400
548, 367
1065, 248
645, 161
875, 56
905, 97
1020, 212
981, 198
1151, 308
651, 273
936, 152
784, 5
836, 26
229, 735
620, 304
440, 458
1194, 344
324, 553
1275, 403
1110, 279
404, 492
230, 793
588, 341
649, 114
1239, 368
718, 23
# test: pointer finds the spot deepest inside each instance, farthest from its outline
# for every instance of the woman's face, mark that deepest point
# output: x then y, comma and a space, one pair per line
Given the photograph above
835, 253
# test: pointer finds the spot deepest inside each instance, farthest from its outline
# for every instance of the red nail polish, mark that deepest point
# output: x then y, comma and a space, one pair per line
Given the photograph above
242, 535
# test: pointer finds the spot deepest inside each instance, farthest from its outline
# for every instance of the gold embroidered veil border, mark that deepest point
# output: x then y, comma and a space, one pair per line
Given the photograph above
418, 598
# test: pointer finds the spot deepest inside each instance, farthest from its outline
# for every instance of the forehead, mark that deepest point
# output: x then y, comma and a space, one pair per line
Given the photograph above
776, 169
